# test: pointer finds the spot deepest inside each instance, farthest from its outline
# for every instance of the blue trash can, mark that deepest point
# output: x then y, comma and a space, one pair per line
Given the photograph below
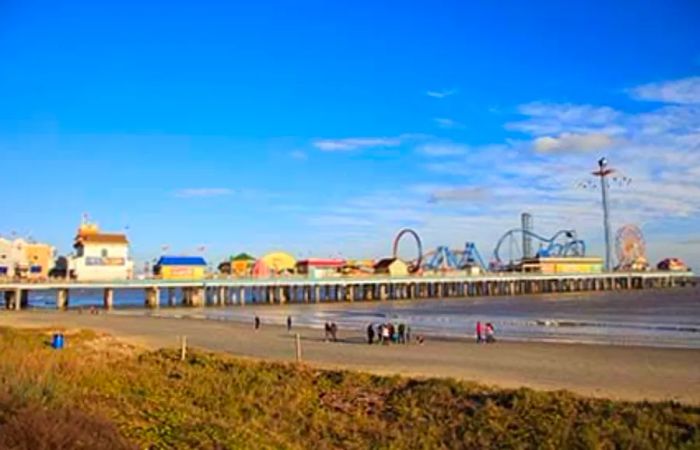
57, 341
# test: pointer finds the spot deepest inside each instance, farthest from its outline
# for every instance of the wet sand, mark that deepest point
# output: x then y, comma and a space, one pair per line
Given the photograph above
617, 372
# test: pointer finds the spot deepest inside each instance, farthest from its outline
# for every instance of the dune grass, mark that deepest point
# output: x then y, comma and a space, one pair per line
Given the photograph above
98, 393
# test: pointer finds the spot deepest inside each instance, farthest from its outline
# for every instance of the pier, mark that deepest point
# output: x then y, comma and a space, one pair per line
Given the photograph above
241, 291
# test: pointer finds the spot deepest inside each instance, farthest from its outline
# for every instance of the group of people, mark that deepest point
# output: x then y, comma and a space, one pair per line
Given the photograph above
387, 333
485, 333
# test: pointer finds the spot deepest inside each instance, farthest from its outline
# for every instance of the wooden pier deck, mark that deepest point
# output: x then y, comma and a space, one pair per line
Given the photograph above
239, 291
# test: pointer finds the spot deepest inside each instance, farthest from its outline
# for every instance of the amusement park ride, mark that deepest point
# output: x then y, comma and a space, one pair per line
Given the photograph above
514, 250
630, 249
515, 247
564, 243
443, 258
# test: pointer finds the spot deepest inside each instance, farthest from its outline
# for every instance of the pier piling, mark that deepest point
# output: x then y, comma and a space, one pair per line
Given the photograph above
62, 299
171, 296
108, 298
152, 297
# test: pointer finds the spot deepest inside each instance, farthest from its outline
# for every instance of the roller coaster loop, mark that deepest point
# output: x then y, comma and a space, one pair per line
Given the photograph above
555, 246
419, 244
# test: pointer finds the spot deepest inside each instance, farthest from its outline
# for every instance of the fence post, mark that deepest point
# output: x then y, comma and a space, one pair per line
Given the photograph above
298, 347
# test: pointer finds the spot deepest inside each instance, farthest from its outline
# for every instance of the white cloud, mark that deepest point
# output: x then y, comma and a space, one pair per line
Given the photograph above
444, 149
441, 93
571, 142
551, 118
683, 91
668, 121
203, 192
444, 122
348, 144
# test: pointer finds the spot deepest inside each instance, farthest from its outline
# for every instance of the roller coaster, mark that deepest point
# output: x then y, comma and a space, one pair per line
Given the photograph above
446, 259
562, 243
441, 259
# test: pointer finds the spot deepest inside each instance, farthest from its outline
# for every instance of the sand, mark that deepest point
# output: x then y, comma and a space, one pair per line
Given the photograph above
616, 372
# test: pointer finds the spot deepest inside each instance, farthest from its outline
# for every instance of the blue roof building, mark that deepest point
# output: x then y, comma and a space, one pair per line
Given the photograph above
181, 261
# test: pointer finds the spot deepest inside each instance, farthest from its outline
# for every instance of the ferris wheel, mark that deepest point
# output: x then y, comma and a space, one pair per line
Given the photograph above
630, 248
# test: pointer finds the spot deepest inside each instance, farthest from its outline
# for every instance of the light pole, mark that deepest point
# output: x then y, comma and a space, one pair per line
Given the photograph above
602, 172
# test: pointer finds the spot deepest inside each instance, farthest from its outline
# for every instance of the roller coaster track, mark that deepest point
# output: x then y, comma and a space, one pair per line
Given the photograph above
419, 244
443, 258
571, 246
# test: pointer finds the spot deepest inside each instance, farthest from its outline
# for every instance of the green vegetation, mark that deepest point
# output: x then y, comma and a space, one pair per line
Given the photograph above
98, 393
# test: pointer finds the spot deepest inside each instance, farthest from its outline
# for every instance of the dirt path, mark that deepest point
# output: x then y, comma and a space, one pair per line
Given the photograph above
632, 373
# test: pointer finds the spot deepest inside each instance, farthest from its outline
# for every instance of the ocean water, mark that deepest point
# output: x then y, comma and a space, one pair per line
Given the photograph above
662, 318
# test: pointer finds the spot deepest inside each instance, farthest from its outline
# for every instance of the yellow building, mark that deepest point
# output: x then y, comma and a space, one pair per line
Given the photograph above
180, 268
242, 265
393, 267
280, 262
553, 265
24, 259
39, 260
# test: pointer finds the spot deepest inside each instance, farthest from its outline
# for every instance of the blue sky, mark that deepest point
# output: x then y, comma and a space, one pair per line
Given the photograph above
323, 129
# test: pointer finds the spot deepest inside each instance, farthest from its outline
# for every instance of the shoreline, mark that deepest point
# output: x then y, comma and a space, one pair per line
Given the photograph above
603, 371
446, 337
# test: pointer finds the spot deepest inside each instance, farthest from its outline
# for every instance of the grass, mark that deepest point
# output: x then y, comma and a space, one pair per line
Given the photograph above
98, 393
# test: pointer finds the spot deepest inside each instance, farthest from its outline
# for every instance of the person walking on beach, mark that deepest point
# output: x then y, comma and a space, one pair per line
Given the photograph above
370, 334
490, 338
408, 334
289, 324
386, 336
327, 328
334, 331
257, 323
402, 333
479, 335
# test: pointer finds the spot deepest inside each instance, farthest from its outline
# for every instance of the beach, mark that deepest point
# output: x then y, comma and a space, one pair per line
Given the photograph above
647, 318
603, 371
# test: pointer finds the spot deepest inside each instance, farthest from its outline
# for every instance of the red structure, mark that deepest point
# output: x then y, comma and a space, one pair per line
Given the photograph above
320, 266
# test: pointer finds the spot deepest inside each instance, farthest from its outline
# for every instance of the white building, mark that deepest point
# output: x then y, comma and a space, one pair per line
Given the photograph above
100, 256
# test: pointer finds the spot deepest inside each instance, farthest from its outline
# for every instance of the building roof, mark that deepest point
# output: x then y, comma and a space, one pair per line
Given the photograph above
322, 262
242, 257
181, 261
102, 238
386, 262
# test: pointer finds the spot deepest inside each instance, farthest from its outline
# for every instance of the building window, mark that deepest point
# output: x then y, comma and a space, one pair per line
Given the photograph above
104, 253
